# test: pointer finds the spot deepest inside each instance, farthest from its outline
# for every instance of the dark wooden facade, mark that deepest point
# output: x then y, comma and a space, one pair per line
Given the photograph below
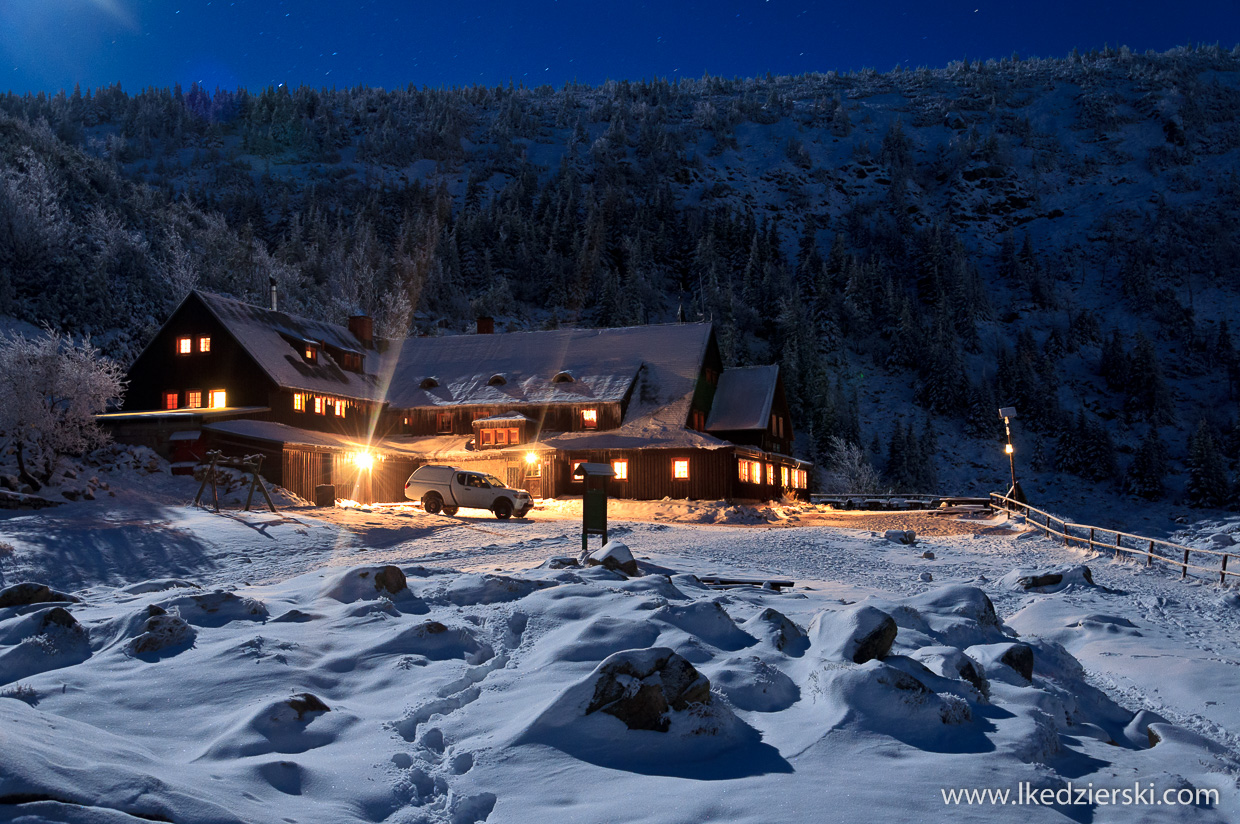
778, 435
459, 420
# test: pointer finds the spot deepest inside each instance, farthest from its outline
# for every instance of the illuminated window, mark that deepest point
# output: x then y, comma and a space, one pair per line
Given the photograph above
311, 352
218, 399
193, 399
770, 474
488, 437
299, 402
621, 468
339, 409
589, 419
185, 346
501, 437
743, 470
170, 400
514, 435
204, 344
318, 406
783, 476
444, 423
680, 469
572, 474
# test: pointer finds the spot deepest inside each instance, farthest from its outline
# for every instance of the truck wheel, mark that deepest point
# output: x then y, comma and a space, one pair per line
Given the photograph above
450, 510
432, 503
503, 509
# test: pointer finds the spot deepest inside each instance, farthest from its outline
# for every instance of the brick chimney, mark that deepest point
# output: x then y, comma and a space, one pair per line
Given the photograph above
486, 326
363, 328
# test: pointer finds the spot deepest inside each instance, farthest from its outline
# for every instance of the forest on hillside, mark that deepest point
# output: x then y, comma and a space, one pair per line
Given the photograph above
1062, 235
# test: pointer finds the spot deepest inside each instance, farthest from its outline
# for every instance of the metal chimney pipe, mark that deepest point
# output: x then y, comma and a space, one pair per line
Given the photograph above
272, 281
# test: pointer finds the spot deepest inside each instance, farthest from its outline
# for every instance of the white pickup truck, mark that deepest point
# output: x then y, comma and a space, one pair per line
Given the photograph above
447, 488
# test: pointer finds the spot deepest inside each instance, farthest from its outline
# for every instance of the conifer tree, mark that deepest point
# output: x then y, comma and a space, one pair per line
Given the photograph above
1144, 476
1207, 478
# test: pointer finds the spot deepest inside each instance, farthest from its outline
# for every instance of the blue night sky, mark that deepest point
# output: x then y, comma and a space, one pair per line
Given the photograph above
53, 44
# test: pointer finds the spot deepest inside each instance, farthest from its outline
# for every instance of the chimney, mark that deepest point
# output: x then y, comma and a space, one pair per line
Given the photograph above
363, 328
272, 281
486, 326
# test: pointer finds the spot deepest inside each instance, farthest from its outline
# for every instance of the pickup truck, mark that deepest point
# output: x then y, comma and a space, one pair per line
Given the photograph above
447, 488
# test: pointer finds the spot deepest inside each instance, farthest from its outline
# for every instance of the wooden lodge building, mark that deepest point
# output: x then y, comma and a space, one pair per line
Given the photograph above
326, 404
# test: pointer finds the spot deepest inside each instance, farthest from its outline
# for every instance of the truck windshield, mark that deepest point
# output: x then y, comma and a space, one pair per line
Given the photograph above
494, 481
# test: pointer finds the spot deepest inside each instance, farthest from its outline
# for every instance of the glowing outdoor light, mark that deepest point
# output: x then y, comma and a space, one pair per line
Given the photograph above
1007, 413
364, 460
531, 458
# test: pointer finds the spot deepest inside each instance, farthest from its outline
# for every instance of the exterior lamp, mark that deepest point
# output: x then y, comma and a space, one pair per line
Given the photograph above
1015, 493
364, 460
531, 458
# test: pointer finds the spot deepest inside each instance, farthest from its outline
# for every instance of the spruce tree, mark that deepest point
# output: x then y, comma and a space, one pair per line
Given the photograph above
1144, 477
1207, 478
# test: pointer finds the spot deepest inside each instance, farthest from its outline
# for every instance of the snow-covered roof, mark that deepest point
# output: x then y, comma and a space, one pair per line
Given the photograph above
603, 365
743, 399
274, 339
505, 417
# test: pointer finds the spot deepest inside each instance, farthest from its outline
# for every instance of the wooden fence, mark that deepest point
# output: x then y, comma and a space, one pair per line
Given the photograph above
1138, 546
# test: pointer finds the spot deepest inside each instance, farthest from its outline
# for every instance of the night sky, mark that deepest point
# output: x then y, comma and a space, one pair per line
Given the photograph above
53, 44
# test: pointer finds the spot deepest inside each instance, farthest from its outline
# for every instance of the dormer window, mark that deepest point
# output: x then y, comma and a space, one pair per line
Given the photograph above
563, 377
497, 380
185, 346
429, 383
589, 419
310, 352
204, 344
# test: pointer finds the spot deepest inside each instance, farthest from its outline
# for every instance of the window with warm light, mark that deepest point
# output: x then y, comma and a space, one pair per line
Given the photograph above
487, 436
185, 346
318, 406
339, 409
193, 399
770, 474
680, 469
621, 468
572, 473
218, 399
170, 400
743, 470
514, 435
299, 402
311, 353
589, 419
204, 344
783, 476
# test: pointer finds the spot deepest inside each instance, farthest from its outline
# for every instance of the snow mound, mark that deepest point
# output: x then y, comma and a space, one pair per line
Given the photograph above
27, 593
707, 621
215, 609
599, 638
430, 639
614, 556
775, 628
858, 634
474, 589
289, 725
49, 639
87, 774
369, 583
955, 615
752, 684
649, 711
158, 585
1051, 579
162, 632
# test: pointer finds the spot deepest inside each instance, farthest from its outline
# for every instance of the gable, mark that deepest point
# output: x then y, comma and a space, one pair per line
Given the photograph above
743, 399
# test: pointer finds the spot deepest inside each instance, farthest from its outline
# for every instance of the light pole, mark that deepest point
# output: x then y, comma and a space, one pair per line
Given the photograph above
1015, 493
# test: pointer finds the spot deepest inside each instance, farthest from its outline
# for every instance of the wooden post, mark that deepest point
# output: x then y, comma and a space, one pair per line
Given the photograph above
1118, 546
1149, 558
1091, 539
252, 468
1184, 571
1222, 575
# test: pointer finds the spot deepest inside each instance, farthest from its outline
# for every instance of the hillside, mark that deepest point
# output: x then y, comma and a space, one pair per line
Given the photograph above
915, 248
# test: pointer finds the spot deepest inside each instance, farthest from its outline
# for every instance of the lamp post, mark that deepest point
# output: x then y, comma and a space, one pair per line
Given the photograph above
1015, 493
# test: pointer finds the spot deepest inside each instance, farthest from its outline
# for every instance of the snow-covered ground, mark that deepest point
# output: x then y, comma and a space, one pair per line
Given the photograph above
268, 667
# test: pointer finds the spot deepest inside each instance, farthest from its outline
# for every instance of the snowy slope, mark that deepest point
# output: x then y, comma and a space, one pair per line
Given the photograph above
461, 696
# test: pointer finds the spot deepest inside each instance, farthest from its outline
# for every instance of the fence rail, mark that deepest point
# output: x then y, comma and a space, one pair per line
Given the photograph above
1089, 536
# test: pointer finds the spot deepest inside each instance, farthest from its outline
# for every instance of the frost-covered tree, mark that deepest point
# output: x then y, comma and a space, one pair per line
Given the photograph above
849, 469
51, 389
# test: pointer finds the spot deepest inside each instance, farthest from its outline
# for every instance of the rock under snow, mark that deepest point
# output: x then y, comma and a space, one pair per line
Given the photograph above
901, 536
24, 594
641, 687
1054, 579
858, 634
778, 630
615, 556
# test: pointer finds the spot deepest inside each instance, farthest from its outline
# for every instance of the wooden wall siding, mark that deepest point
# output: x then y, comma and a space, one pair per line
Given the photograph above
650, 473
227, 366
237, 447
556, 418
355, 423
